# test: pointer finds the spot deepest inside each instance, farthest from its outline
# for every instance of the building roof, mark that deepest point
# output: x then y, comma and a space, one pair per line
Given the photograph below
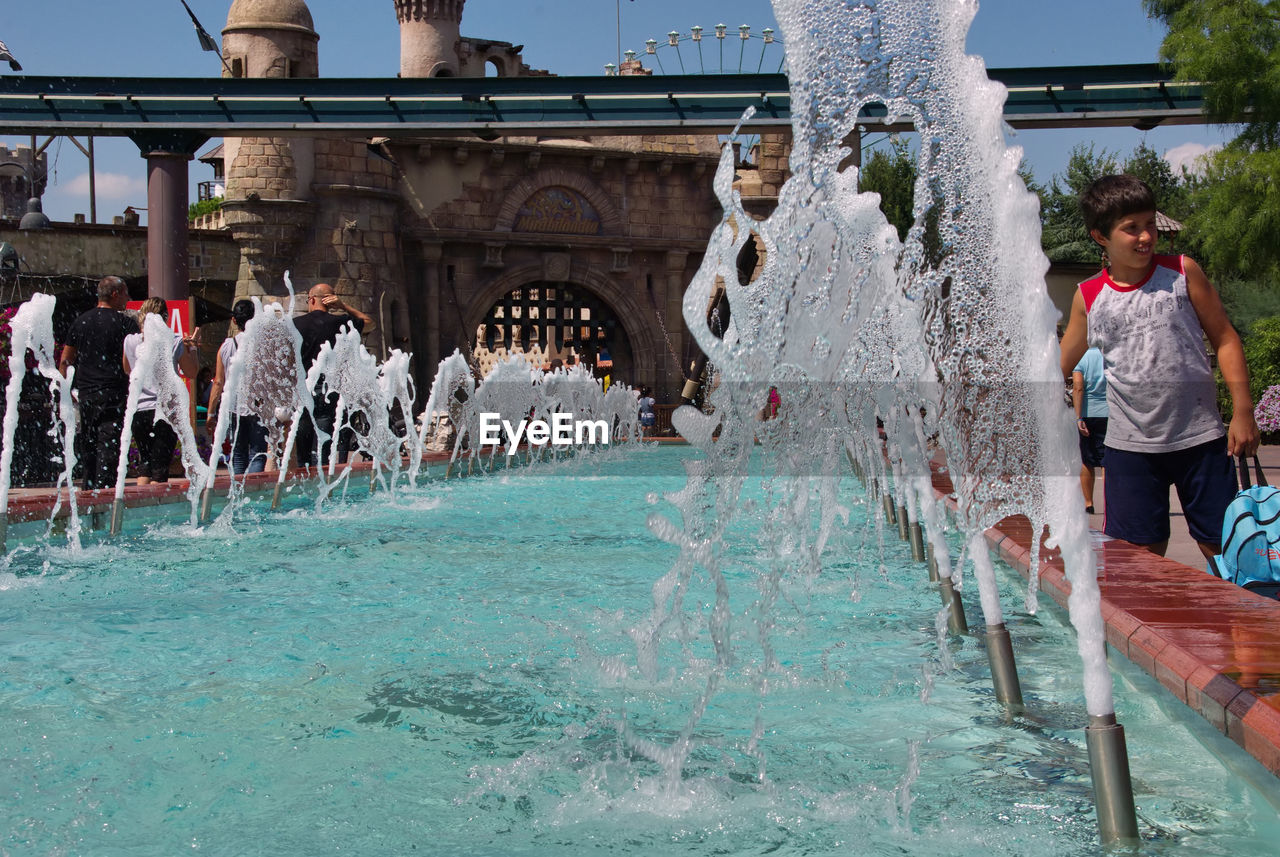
1166, 224
213, 156
273, 14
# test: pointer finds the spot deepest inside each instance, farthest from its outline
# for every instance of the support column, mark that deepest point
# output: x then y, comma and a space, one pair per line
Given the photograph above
168, 261
168, 265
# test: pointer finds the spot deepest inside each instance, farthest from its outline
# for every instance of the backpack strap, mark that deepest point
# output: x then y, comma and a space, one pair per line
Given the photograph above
1243, 464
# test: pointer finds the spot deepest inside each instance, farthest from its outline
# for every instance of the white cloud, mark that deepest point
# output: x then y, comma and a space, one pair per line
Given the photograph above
114, 186
114, 192
1189, 155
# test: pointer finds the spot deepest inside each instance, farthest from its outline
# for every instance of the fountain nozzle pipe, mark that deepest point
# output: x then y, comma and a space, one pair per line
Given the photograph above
1112, 787
117, 516
956, 622
890, 516
206, 503
1004, 671
903, 524
917, 542
932, 559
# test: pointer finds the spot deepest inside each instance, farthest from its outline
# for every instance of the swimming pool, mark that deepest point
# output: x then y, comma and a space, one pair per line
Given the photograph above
449, 670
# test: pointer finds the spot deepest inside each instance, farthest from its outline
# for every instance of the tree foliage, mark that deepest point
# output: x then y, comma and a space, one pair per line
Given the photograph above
204, 206
1233, 47
1170, 190
1248, 301
1237, 213
1262, 352
892, 174
1063, 235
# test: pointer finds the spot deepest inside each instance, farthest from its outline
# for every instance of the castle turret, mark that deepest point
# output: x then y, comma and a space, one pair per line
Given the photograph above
268, 196
429, 37
270, 38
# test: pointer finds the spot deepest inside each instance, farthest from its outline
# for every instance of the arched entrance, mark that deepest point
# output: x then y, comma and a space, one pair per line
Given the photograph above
554, 321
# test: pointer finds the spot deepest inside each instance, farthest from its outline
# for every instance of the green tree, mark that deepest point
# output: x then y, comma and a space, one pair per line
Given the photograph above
892, 174
1236, 219
204, 206
1062, 234
1233, 47
1248, 301
1170, 190
1262, 351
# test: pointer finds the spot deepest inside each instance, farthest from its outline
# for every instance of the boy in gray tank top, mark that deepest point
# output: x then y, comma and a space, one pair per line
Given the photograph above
1149, 315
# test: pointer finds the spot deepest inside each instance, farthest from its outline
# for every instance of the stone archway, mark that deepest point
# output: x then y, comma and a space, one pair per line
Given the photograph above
553, 177
636, 324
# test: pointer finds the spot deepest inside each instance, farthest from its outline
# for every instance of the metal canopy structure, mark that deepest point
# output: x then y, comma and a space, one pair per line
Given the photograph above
1141, 95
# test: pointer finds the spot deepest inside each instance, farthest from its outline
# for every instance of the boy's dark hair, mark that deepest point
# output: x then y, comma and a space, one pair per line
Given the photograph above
1110, 198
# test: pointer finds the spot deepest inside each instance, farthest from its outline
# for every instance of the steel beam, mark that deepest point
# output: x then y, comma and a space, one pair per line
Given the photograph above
1142, 95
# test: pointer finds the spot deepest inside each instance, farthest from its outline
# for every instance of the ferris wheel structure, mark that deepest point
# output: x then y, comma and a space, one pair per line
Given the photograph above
757, 53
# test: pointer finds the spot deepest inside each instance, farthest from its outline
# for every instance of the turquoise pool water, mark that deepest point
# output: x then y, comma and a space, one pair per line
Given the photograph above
449, 671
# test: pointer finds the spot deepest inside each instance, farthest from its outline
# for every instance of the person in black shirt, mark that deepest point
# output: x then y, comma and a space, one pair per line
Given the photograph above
95, 347
327, 315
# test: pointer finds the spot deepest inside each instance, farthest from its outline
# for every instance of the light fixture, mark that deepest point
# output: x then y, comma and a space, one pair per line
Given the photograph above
697, 33
651, 46
744, 32
720, 30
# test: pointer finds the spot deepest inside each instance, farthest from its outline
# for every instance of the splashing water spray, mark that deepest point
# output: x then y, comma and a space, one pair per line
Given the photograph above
264, 381
155, 371
945, 339
32, 328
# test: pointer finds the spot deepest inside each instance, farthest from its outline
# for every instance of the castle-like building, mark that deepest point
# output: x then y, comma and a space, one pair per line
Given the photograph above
551, 246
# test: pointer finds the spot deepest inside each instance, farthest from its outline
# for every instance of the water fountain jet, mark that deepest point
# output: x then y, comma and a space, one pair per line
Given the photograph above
938, 336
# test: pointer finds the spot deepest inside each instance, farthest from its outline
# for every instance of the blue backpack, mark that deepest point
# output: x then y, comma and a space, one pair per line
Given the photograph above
1251, 536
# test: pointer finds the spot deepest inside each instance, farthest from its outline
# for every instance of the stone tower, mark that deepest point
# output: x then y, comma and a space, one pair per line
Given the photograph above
268, 197
15, 189
429, 37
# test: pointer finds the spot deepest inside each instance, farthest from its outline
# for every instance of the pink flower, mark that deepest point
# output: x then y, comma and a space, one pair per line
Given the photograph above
1267, 413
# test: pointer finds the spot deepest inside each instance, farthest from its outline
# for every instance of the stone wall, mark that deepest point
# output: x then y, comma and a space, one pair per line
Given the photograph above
91, 252
624, 220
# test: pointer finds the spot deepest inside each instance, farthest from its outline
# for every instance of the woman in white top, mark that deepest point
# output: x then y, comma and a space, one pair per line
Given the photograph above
248, 435
155, 440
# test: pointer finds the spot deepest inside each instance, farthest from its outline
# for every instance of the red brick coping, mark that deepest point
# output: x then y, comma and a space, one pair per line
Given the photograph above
1214, 645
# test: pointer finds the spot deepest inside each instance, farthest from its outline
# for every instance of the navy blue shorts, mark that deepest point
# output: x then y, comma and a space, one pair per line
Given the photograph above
1137, 492
1091, 447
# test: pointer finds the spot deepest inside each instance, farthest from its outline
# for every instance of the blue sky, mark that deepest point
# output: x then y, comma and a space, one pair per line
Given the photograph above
359, 38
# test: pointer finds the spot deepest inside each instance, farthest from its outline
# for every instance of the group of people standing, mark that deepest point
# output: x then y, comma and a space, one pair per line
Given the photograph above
103, 346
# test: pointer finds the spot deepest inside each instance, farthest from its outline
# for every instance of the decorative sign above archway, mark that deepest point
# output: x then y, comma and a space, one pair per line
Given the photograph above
558, 210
